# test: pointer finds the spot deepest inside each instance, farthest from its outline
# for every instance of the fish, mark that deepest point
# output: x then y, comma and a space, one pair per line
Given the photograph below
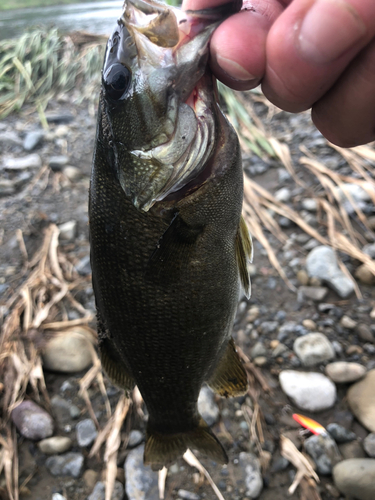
170, 251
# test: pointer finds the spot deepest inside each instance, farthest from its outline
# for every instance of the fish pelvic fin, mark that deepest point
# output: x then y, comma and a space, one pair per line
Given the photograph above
229, 378
114, 367
163, 449
244, 255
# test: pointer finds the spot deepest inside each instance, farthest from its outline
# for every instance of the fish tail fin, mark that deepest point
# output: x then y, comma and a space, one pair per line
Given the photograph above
163, 449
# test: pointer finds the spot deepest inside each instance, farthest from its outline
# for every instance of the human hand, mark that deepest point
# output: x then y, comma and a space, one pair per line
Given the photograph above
317, 54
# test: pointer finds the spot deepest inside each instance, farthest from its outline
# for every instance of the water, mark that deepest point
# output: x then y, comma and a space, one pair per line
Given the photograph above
95, 17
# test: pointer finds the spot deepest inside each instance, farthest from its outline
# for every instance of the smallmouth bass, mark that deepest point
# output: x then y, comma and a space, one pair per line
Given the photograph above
169, 249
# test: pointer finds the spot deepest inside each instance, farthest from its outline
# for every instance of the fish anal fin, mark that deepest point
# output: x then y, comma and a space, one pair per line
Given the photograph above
114, 368
229, 378
163, 449
172, 251
244, 255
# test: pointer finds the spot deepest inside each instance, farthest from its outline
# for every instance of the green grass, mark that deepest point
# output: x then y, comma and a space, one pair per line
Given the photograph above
21, 4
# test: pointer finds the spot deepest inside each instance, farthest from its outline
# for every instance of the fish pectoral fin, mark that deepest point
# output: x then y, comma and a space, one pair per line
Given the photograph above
173, 251
244, 255
114, 367
229, 378
163, 449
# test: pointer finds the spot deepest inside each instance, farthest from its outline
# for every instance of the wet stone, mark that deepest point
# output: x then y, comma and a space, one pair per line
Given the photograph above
86, 432
69, 464
98, 492
340, 434
32, 421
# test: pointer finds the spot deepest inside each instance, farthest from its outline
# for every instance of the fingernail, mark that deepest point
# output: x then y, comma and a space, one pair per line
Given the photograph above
329, 29
234, 70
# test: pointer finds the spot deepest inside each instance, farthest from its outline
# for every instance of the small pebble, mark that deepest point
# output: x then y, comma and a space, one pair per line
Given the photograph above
343, 372
340, 434
347, 322
313, 348
99, 492
369, 445
309, 324
68, 230
55, 444
135, 438
32, 421
187, 495
69, 464
86, 432
364, 274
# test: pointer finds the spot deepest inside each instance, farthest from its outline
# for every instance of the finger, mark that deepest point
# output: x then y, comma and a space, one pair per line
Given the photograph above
238, 55
346, 114
310, 45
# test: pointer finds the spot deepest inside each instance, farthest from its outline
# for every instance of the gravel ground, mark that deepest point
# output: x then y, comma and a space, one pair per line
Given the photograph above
294, 340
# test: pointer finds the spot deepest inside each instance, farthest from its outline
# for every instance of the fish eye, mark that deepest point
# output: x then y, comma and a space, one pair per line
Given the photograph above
116, 81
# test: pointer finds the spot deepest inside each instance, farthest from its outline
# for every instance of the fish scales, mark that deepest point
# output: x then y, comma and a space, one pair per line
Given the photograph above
166, 275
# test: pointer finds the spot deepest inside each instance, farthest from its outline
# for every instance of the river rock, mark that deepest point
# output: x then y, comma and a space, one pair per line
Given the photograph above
283, 195
187, 495
69, 464
32, 139
68, 230
309, 391
343, 372
315, 293
86, 432
309, 204
56, 163
323, 451
356, 478
322, 263
72, 173
347, 322
364, 274
141, 481
98, 492
135, 438
352, 449
68, 352
361, 399
250, 477
54, 445
258, 350
207, 406
364, 333
30, 161
340, 434
32, 421
313, 348
369, 445
10, 138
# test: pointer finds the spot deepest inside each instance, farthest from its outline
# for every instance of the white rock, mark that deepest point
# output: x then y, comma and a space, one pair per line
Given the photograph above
357, 192
29, 161
322, 263
68, 230
309, 204
343, 372
313, 348
55, 444
207, 407
347, 322
283, 195
68, 352
309, 391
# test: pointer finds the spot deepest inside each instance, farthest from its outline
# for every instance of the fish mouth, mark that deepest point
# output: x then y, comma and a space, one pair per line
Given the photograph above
171, 48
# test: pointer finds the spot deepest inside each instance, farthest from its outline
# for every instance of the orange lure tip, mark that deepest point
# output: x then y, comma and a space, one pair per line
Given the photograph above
310, 424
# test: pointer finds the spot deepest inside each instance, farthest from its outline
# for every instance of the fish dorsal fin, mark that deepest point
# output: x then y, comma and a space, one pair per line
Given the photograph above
229, 378
244, 255
162, 449
114, 368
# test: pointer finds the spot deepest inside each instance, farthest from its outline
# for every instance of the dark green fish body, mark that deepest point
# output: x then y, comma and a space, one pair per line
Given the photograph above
166, 274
